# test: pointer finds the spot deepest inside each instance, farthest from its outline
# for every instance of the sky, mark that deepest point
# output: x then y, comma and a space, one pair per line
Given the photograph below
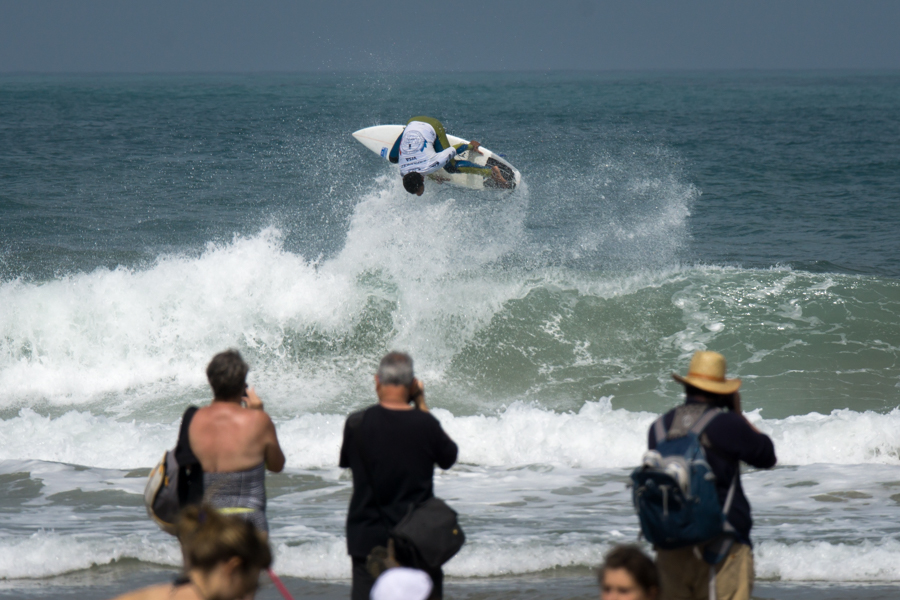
210, 36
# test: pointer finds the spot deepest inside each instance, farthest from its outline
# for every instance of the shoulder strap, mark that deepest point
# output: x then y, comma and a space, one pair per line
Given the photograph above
183, 453
704, 420
354, 424
659, 429
691, 418
190, 479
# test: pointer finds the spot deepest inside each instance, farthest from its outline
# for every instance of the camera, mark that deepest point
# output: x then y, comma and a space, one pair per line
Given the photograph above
725, 401
415, 392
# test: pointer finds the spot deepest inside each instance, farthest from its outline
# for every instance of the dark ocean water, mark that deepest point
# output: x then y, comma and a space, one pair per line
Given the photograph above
787, 168
149, 222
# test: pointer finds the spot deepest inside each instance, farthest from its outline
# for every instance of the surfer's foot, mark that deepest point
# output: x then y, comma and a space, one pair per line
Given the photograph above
498, 177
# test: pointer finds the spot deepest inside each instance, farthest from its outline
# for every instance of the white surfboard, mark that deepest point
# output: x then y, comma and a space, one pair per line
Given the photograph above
380, 139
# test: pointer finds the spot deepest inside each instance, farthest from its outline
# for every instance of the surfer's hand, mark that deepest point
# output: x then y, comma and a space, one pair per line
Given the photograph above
474, 146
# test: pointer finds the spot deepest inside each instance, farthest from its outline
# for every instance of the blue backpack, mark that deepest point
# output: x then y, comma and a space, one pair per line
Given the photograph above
674, 490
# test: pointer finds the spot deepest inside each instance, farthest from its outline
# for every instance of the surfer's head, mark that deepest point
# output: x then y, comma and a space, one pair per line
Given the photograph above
414, 183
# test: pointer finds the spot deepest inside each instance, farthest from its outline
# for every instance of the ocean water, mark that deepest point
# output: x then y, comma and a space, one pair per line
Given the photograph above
147, 223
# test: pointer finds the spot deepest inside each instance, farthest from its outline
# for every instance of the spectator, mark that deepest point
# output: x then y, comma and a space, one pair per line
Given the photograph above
235, 442
628, 574
226, 555
729, 438
392, 448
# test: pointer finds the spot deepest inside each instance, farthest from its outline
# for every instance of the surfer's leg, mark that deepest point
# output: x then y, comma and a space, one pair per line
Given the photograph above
441, 143
464, 166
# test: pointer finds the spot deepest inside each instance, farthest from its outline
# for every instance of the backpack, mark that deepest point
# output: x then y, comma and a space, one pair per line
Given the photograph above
176, 481
674, 489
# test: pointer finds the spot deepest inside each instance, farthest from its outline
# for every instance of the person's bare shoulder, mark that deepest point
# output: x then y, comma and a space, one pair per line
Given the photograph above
261, 421
162, 591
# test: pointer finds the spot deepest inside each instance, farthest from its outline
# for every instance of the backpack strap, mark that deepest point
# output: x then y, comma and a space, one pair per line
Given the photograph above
697, 429
659, 429
701, 423
730, 497
688, 418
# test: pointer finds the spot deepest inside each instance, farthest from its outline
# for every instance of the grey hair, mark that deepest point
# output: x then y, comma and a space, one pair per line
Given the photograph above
396, 368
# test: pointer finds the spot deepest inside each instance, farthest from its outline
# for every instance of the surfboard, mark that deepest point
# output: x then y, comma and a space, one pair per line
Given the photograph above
380, 138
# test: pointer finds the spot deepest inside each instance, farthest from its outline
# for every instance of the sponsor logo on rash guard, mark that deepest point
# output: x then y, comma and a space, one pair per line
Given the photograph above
417, 152
412, 142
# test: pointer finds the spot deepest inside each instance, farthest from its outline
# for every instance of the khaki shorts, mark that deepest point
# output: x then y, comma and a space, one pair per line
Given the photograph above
684, 576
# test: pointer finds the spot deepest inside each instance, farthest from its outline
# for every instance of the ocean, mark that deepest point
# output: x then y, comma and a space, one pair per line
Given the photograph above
148, 222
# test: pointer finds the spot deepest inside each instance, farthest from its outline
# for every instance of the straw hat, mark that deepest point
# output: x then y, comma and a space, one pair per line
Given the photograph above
707, 372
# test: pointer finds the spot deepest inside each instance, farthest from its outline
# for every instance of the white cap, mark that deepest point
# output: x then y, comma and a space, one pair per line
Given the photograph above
402, 583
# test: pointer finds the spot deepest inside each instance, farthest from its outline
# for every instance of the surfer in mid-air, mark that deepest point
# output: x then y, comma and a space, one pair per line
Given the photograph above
423, 148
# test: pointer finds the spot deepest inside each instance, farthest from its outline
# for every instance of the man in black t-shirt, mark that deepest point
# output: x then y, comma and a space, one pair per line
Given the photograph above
401, 442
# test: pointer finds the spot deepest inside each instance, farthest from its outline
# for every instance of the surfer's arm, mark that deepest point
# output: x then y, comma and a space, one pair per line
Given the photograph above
439, 161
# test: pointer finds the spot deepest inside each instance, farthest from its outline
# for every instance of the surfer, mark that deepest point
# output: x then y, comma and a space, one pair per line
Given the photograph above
423, 148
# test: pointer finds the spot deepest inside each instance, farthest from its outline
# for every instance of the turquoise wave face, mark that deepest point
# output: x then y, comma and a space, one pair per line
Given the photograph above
150, 222
484, 335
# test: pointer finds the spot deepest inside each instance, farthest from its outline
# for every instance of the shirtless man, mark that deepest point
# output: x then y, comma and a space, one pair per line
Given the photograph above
235, 441
423, 148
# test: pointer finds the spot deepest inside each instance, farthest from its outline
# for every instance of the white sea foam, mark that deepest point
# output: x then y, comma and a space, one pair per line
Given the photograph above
816, 561
86, 335
823, 561
327, 559
519, 556
134, 342
47, 553
124, 336
317, 559
597, 436
82, 438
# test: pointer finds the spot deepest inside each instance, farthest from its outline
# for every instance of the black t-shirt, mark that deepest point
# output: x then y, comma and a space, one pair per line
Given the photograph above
732, 440
401, 448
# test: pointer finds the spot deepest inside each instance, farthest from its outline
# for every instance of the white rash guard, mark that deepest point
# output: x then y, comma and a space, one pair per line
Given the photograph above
417, 150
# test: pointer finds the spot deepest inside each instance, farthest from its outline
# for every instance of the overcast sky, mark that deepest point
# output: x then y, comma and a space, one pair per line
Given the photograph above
89, 36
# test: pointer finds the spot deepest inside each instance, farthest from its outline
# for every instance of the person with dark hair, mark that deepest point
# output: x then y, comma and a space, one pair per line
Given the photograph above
423, 148
391, 448
234, 441
729, 439
225, 554
628, 574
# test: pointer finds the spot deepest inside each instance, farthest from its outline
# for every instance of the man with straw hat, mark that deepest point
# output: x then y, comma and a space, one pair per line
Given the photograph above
728, 438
